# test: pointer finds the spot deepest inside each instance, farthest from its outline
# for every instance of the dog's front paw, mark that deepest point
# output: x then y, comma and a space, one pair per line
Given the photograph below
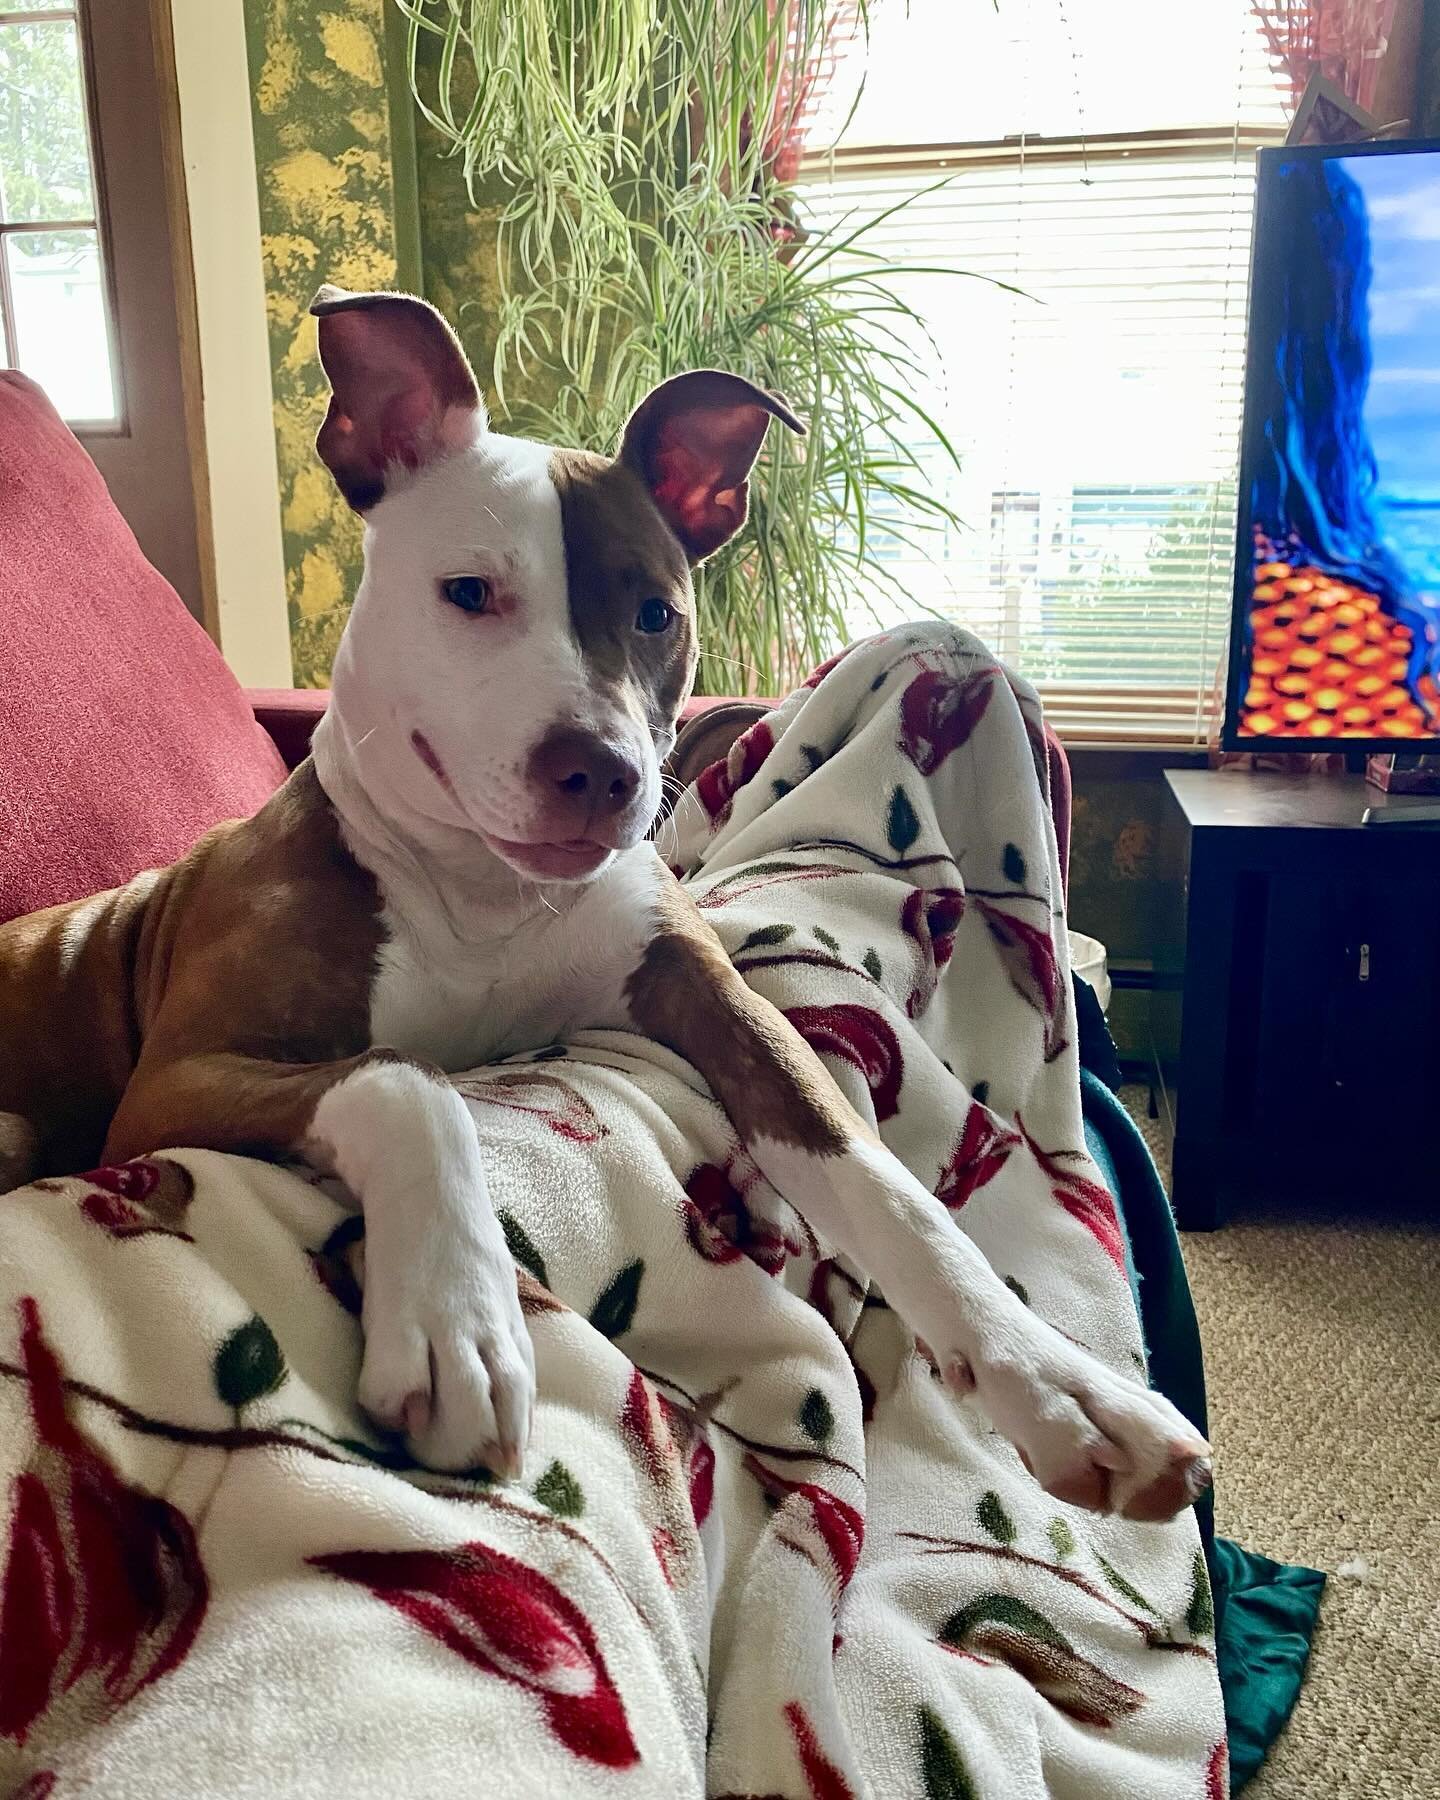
1088, 1435
448, 1360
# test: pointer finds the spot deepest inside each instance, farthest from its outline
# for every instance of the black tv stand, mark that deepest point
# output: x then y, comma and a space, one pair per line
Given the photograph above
1304, 958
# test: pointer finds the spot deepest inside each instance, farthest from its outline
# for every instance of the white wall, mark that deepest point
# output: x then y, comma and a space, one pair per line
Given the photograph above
219, 154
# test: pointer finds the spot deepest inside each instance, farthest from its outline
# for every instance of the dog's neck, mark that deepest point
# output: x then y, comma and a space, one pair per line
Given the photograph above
441, 880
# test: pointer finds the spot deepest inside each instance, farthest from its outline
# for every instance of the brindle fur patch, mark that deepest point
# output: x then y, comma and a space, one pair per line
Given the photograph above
209, 1006
19, 1151
619, 552
686, 994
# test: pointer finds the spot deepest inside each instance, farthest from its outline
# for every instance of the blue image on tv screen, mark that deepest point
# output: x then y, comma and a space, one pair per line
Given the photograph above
1339, 609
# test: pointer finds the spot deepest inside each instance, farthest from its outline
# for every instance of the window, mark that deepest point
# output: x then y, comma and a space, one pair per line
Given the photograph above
55, 320
1097, 158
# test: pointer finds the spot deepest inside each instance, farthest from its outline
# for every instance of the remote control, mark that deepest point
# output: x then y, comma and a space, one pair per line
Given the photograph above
1428, 814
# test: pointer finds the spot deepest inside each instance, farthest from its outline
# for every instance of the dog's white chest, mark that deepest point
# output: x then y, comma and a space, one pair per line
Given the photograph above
457, 1004
460, 1010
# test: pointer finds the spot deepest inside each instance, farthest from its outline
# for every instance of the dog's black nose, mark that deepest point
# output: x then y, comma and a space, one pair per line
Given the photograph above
587, 770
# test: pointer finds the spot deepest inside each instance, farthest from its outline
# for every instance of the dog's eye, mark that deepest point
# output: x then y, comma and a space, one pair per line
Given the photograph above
471, 593
655, 615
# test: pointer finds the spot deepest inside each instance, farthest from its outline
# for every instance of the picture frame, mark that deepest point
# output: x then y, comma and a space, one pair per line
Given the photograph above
1327, 115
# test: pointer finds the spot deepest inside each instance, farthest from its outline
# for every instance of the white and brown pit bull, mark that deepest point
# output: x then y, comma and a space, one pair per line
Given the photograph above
462, 871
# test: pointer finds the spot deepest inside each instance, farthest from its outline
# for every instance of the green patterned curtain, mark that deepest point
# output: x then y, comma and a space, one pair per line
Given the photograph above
334, 151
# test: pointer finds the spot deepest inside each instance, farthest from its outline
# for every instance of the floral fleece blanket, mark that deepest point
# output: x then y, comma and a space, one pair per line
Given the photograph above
757, 1549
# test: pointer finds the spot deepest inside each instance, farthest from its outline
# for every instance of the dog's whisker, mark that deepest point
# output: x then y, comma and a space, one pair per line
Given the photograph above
731, 662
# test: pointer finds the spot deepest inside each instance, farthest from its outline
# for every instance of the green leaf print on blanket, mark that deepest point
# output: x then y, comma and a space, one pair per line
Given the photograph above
1062, 1537
994, 1518
558, 1489
518, 1242
613, 1312
817, 1420
766, 934
249, 1364
1122, 1586
940, 1761
1200, 1614
901, 827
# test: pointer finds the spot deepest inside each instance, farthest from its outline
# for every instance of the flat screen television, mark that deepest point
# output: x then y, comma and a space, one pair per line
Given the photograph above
1335, 637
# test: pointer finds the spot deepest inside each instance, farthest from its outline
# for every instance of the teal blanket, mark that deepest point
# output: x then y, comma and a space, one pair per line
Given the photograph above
1264, 1611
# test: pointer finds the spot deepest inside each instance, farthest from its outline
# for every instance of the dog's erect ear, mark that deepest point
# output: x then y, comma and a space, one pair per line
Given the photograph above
693, 441
401, 389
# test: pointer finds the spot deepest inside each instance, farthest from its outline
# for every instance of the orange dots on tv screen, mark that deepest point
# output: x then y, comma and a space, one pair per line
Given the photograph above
1328, 661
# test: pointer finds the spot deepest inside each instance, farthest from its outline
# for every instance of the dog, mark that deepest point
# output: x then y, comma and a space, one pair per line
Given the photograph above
463, 870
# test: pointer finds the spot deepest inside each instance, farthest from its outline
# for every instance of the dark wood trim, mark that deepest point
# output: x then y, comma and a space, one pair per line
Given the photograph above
187, 306
1135, 762
1397, 84
149, 465
105, 238
7, 311
15, 227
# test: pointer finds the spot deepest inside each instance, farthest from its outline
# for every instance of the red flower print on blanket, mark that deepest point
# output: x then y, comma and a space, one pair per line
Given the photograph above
149, 1196
931, 916
1085, 1200
984, 1145
508, 1619
815, 1523
1029, 704
830, 662
103, 1586
722, 1227
859, 1036
821, 1776
1029, 957
696, 1456
670, 1448
938, 714
718, 785
567, 1113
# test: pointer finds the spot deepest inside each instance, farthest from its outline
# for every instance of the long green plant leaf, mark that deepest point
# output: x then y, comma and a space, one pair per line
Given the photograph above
620, 148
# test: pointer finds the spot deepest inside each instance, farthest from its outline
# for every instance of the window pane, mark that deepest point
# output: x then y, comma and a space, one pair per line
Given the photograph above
44, 145
1096, 415
60, 319
951, 71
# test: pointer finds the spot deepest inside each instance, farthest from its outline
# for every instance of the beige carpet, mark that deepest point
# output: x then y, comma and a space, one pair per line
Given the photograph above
1322, 1337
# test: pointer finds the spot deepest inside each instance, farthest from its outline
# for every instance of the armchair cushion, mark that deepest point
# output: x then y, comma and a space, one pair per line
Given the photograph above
289, 716
123, 735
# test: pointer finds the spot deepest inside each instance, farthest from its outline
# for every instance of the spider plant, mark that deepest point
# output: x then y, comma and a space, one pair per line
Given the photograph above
642, 230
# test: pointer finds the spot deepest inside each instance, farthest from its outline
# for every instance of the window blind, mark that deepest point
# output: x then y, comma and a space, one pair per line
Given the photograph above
1094, 399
